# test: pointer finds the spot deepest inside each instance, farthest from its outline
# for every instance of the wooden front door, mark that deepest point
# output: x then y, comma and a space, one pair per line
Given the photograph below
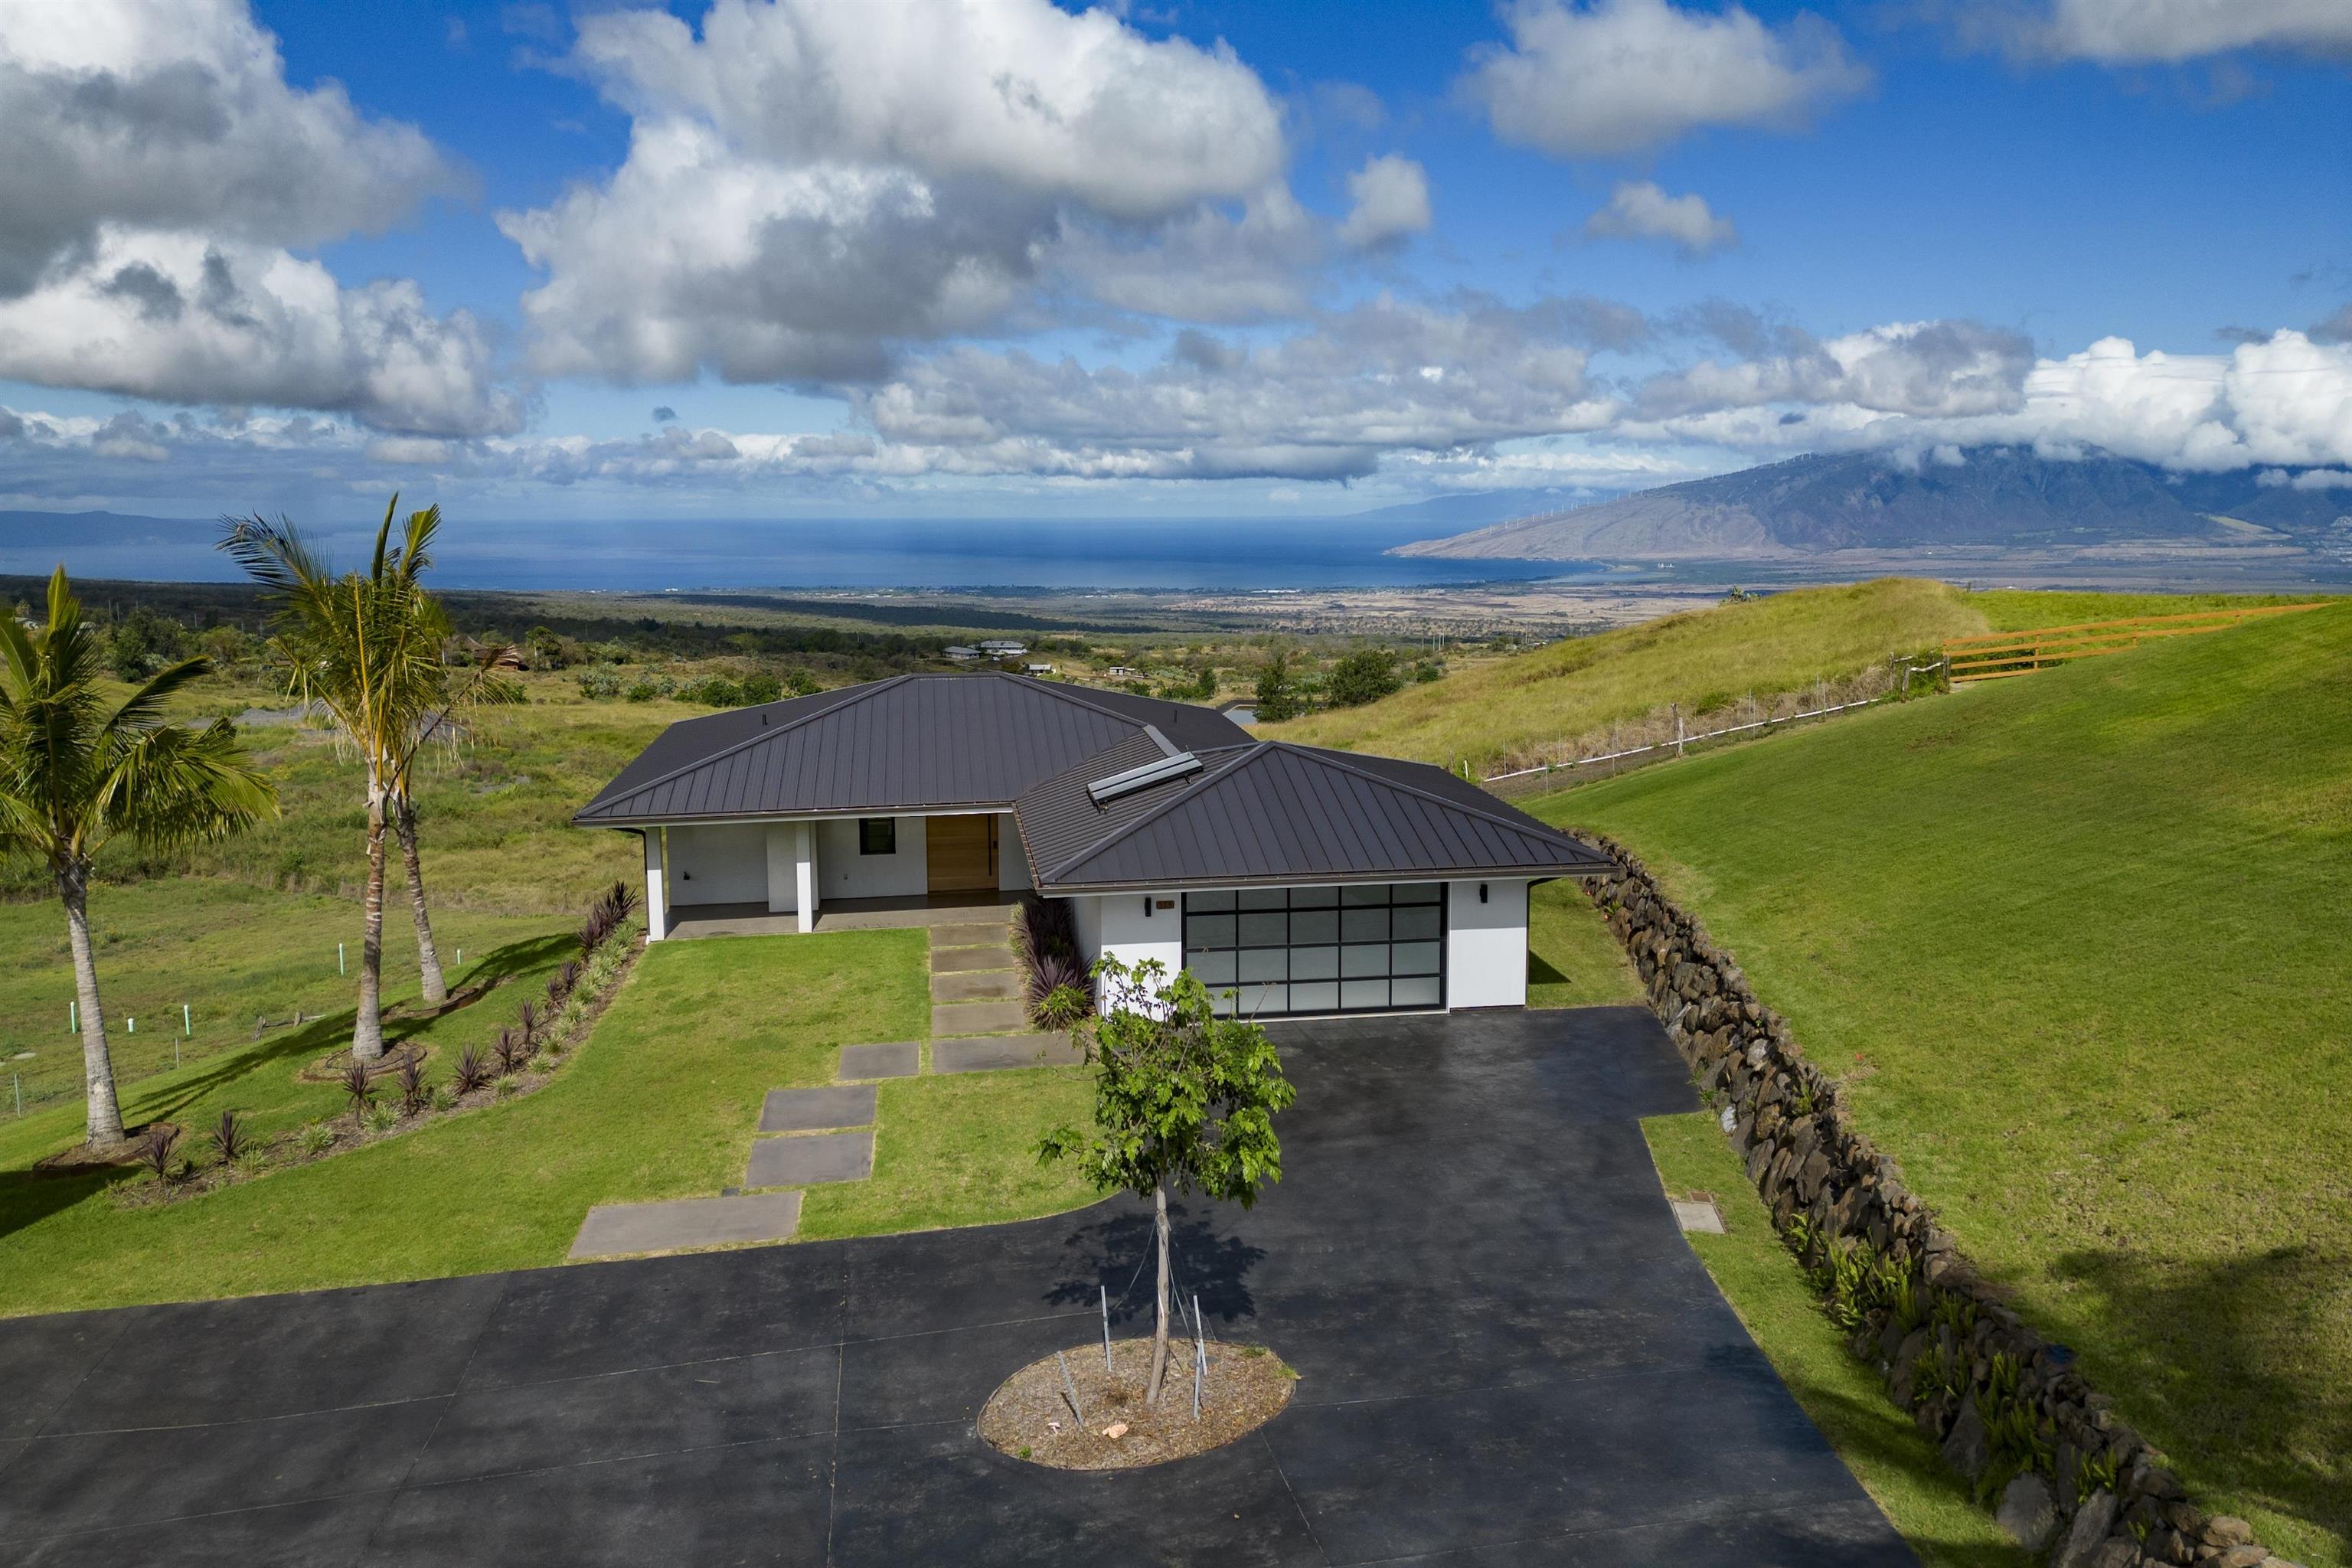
960, 854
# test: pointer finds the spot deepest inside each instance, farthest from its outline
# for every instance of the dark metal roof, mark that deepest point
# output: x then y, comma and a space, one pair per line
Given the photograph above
1276, 812
912, 742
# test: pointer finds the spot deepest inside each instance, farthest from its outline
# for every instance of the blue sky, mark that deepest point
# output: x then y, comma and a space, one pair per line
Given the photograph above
1189, 260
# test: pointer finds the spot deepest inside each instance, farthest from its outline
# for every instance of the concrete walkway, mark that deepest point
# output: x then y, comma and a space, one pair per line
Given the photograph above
1507, 1355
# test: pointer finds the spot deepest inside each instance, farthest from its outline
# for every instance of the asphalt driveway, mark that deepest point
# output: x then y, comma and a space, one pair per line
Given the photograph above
1508, 1356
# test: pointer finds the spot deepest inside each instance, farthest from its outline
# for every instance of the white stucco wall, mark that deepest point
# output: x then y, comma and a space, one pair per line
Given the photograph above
1115, 924
1012, 855
843, 873
718, 863
1487, 946
785, 844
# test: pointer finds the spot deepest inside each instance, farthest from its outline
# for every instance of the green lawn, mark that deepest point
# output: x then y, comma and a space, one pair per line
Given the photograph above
1897, 1463
2076, 945
1573, 959
660, 1103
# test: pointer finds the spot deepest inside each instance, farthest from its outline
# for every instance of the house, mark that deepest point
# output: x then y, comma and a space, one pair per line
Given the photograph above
1305, 881
1037, 668
1003, 648
1119, 672
962, 655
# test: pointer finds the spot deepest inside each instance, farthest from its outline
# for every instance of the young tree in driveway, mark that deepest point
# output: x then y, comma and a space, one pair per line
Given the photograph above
1182, 1098
76, 770
371, 649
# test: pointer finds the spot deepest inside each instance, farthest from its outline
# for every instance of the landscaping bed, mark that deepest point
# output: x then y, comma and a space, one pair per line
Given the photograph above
1031, 1415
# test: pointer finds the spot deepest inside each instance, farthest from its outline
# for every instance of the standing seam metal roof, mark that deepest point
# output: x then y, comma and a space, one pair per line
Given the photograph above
915, 741
1274, 813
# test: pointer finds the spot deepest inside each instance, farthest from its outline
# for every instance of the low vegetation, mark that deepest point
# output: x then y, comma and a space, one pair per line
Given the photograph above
1897, 1463
2073, 945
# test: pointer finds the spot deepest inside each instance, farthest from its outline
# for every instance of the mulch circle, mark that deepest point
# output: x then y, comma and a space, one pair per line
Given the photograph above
1030, 1418
82, 1157
330, 1068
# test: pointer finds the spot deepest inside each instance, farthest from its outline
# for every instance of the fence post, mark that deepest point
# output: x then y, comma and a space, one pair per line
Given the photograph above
1678, 729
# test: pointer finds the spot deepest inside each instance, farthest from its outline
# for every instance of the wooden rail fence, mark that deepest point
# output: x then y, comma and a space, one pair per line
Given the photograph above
2004, 654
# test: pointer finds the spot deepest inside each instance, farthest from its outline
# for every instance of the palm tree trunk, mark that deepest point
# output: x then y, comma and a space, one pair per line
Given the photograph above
367, 1033
96, 1060
1159, 1331
429, 957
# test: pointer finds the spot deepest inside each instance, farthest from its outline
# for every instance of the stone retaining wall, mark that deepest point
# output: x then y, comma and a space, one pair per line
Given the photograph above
2010, 1414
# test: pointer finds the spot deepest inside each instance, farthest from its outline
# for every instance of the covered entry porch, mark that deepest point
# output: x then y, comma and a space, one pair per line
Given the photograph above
746, 877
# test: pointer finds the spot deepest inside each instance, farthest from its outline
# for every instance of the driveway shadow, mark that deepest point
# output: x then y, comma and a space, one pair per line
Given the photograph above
1115, 1254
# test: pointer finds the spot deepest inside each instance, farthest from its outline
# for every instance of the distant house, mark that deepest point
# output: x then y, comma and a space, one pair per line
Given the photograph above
962, 655
1004, 647
1038, 668
1119, 672
1301, 880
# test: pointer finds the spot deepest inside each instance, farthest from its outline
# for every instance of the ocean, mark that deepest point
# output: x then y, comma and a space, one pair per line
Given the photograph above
1222, 554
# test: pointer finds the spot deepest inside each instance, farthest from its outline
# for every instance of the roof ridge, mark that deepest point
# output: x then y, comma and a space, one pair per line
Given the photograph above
1062, 690
765, 732
1254, 750
1338, 759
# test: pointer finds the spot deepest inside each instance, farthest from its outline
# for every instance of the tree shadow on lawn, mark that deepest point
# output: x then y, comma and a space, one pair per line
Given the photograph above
1542, 973
28, 1197
2221, 1351
1119, 1250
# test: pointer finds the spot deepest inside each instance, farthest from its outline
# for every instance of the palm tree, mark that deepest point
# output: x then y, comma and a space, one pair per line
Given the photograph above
373, 651
75, 771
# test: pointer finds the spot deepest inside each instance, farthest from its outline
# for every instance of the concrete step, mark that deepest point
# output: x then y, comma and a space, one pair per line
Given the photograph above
978, 1018
977, 985
619, 1230
814, 1110
987, 1053
982, 933
891, 1059
948, 959
810, 1157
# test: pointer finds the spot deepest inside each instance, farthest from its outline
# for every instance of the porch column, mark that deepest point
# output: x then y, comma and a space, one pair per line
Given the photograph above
804, 872
656, 890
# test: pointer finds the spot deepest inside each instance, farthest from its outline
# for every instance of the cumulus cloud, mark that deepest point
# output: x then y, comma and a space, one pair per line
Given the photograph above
1639, 209
2133, 32
1922, 369
1388, 201
176, 114
810, 185
181, 318
1591, 79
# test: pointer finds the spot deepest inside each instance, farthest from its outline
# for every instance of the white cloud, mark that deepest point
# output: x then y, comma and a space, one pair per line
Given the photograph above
1591, 79
810, 185
2128, 32
1389, 199
1639, 209
1922, 369
176, 114
184, 318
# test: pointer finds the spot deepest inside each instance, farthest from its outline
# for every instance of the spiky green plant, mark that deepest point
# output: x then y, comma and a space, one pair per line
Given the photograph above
77, 769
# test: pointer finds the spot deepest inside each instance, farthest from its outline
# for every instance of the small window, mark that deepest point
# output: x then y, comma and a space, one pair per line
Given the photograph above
877, 835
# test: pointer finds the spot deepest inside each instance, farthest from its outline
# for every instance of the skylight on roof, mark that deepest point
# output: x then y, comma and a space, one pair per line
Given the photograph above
1104, 791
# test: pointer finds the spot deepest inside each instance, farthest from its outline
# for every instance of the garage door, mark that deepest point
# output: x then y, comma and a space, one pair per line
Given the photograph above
1319, 950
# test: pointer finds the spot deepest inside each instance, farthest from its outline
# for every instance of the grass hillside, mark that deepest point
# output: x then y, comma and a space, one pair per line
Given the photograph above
1704, 660
2076, 945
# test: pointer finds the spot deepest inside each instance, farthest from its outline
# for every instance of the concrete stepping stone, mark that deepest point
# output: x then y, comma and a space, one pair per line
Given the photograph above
989, 933
978, 1018
948, 959
617, 1230
807, 1109
810, 1158
982, 985
988, 1053
894, 1058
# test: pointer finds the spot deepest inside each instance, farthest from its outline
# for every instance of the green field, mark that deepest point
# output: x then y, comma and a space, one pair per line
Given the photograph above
660, 1103
2075, 943
1703, 660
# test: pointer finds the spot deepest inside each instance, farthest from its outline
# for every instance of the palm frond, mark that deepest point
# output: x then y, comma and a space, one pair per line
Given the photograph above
143, 708
273, 554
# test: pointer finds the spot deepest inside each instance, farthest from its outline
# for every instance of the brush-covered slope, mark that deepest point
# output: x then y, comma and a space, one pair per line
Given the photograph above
2077, 944
1700, 659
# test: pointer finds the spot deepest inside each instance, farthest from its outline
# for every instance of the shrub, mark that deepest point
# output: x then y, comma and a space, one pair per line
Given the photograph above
1063, 1007
800, 683
156, 1149
444, 1097
1365, 675
759, 688
414, 1092
600, 685
513, 1050
378, 1116
317, 1137
361, 1087
507, 1085
230, 1140
471, 1071
717, 691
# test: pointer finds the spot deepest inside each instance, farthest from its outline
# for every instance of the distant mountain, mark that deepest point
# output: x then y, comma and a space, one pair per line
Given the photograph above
1471, 508
1998, 496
